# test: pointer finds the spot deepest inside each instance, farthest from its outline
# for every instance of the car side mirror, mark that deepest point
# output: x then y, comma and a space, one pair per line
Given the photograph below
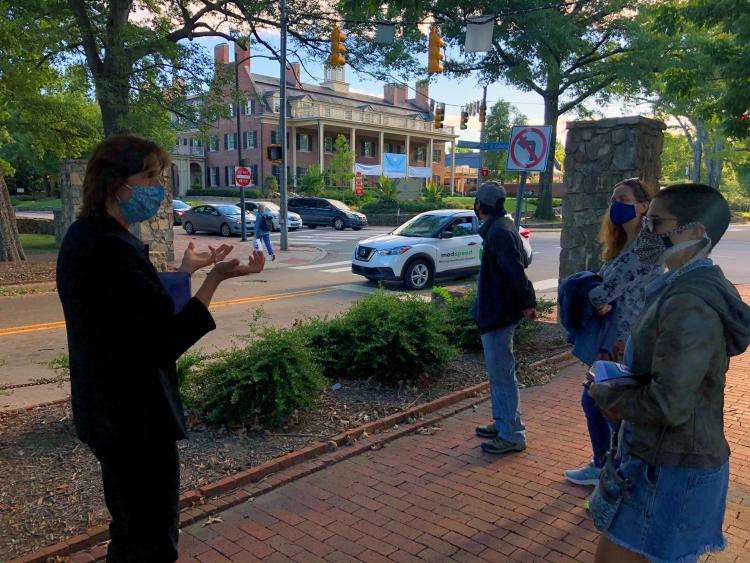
446, 234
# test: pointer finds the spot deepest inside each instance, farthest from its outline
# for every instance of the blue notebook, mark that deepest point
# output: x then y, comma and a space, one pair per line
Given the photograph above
178, 287
609, 371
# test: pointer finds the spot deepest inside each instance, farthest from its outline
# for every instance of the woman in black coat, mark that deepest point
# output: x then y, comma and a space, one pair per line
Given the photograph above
125, 334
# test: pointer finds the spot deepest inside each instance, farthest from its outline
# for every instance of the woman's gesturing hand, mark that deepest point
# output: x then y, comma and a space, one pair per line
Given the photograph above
233, 268
193, 261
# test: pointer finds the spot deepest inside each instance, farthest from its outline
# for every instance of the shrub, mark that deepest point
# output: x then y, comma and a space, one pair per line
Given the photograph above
387, 337
312, 182
387, 190
462, 331
270, 185
250, 193
264, 383
433, 193
408, 206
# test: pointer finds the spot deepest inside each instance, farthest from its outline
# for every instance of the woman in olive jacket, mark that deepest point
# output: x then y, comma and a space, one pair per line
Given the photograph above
666, 501
125, 334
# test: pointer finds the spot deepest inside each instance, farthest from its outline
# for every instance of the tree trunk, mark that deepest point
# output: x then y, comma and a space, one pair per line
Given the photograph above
714, 166
700, 140
544, 206
10, 243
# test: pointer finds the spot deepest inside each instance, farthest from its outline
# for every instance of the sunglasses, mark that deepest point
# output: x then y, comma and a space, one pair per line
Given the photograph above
651, 222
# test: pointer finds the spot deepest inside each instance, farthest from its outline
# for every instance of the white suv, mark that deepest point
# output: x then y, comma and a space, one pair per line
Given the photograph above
437, 244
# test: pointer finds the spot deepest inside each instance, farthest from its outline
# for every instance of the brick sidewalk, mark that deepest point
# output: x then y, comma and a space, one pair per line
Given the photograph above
438, 498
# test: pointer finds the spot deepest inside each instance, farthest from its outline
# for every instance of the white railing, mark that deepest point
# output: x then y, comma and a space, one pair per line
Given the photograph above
307, 110
185, 150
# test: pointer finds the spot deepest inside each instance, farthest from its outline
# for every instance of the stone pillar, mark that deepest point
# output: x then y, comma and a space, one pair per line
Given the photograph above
598, 154
158, 233
72, 173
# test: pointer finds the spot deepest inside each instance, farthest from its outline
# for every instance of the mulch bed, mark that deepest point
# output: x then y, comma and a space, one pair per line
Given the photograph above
36, 268
52, 485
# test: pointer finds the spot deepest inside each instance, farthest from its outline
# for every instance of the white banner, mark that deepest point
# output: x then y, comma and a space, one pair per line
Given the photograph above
420, 172
368, 169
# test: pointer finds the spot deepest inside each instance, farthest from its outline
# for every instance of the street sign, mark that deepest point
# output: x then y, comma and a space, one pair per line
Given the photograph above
496, 146
469, 144
500, 146
242, 176
529, 148
359, 187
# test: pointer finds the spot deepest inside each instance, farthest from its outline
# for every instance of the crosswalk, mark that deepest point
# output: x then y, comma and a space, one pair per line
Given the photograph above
327, 237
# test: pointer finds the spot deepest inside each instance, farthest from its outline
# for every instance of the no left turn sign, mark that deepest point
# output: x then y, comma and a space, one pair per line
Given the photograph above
529, 148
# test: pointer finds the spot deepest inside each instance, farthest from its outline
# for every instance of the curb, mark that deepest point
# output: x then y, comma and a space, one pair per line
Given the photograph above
246, 485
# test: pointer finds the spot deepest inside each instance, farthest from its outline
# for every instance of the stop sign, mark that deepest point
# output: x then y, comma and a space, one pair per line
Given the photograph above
242, 176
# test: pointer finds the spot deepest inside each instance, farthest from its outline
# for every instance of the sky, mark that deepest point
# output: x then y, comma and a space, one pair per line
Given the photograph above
452, 92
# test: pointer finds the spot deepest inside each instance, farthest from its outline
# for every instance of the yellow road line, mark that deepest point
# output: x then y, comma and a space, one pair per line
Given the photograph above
56, 325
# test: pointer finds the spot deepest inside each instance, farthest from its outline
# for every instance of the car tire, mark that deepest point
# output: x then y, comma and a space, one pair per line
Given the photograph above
369, 279
356, 228
224, 230
417, 275
312, 226
189, 229
292, 230
338, 224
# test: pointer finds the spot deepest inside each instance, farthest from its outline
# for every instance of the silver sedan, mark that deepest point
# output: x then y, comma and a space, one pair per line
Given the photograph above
217, 218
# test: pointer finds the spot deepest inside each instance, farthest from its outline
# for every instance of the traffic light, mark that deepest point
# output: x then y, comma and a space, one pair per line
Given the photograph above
338, 49
439, 116
434, 65
482, 113
464, 119
484, 172
274, 154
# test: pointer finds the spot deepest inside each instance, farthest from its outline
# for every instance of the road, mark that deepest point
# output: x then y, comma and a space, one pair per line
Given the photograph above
32, 334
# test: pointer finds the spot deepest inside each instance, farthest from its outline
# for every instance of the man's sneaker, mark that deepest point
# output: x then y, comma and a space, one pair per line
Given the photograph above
500, 446
587, 475
488, 431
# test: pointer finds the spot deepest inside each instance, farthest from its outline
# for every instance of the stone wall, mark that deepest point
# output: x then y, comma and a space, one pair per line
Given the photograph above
599, 154
71, 182
157, 232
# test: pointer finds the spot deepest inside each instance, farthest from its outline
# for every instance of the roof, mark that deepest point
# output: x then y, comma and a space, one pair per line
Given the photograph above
448, 212
267, 85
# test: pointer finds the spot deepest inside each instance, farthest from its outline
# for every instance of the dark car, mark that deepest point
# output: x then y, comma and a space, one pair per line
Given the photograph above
217, 218
323, 212
178, 210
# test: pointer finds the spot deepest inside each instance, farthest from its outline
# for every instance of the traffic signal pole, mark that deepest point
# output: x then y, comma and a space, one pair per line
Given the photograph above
282, 129
482, 140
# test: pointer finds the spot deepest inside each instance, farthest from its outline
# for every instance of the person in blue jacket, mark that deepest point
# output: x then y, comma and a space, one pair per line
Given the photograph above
263, 228
622, 291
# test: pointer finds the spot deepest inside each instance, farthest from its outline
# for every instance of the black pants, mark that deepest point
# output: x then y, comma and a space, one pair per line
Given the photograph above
141, 489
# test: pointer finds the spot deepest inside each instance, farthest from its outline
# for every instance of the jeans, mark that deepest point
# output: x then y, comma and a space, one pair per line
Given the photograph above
501, 368
266, 238
141, 490
600, 431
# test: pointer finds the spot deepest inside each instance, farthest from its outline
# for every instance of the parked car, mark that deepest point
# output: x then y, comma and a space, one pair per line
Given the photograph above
178, 210
217, 218
434, 245
323, 212
293, 220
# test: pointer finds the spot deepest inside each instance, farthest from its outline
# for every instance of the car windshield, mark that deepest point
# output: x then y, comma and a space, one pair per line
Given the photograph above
339, 204
421, 226
228, 209
177, 204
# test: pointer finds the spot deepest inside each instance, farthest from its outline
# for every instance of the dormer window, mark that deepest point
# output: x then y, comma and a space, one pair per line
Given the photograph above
276, 103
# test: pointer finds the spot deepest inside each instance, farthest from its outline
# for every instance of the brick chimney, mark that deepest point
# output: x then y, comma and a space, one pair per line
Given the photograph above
422, 97
242, 55
395, 94
293, 75
221, 53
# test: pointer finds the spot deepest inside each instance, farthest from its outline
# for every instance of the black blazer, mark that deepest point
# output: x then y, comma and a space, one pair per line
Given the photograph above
124, 337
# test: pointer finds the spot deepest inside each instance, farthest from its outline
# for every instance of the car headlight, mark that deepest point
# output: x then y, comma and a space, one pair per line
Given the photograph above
395, 251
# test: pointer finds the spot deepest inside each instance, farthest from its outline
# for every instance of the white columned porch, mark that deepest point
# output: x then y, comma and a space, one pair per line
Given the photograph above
453, 167
353, 146
430, 159
321, 145
293, 146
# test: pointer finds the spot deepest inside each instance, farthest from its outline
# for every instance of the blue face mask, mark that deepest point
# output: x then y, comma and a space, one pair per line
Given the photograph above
621, 213
143, 203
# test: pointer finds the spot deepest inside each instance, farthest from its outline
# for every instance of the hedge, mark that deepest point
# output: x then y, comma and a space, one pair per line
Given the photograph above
33, 226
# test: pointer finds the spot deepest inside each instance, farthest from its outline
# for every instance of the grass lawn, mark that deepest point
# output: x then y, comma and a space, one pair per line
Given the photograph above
35, 203
38, 244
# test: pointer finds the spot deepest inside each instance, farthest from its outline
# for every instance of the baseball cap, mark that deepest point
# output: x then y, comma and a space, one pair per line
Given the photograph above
490, 193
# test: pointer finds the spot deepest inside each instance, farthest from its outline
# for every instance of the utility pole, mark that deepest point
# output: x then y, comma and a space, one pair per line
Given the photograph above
282, 129
237, 63
482, 140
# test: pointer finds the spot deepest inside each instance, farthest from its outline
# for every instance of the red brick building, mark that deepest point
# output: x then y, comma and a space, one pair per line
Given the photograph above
317, 114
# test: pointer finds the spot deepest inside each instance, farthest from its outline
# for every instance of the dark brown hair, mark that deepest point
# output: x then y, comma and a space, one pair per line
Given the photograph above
112, 162
613, 237
698, 203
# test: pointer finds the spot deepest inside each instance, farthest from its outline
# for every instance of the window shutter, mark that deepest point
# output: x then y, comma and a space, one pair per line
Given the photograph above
226, 175
255, 139
297, 144
252, 107
236, 140
226, 143
208, 176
